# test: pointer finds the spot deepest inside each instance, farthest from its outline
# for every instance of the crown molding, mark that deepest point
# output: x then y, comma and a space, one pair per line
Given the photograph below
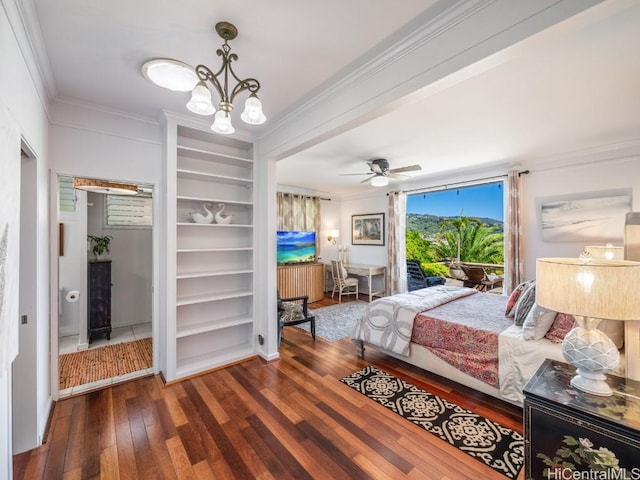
23, 19
445, 39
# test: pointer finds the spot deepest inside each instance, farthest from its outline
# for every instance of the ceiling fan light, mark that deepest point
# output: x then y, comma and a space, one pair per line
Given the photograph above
222, 123
200, 102
171, 74
252, 113
379, 181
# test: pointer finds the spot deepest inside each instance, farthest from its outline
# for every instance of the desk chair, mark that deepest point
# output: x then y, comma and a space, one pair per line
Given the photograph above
341, 282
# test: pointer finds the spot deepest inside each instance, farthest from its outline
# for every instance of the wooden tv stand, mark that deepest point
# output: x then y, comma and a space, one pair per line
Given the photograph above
301, 279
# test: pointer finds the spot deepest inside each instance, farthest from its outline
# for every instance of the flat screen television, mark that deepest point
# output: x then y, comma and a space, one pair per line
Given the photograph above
296, 247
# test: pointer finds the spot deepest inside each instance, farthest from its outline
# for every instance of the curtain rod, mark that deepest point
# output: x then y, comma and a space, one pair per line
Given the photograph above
304, 196
461, 184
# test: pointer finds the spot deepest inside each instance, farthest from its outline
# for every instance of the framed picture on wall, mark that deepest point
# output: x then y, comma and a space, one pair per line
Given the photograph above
367, 229
586, 217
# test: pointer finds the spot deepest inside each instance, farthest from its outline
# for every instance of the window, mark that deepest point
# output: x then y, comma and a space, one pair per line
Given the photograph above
66, 195
457, 225
128, 211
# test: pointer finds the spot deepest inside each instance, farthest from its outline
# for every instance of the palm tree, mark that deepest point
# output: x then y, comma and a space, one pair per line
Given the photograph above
468, 239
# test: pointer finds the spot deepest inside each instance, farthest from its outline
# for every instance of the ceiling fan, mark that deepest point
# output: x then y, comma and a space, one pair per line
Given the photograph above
380, 172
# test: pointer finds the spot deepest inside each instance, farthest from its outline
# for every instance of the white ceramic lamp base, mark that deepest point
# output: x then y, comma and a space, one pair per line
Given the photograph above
593, 354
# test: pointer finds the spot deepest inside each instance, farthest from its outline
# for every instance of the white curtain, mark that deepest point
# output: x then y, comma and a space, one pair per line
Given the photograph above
396, 246
513, 259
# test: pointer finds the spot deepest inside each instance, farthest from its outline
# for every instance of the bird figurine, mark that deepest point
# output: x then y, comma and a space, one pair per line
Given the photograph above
220, 218
200, 218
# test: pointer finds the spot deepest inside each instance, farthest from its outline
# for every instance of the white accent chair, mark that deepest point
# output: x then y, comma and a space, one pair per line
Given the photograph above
343, 284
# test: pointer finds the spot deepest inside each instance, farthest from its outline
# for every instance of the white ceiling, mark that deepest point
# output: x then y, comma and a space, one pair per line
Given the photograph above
571, 87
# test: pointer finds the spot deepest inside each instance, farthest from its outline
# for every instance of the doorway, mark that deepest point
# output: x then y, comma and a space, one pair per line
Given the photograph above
90, 357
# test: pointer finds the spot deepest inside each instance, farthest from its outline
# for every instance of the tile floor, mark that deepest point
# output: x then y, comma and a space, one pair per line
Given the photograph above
118, 335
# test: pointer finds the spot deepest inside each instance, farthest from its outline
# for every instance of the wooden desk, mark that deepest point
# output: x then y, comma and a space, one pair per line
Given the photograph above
369, 271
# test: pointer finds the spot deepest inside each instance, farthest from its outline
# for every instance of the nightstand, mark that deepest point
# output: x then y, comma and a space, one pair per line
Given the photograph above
568, 430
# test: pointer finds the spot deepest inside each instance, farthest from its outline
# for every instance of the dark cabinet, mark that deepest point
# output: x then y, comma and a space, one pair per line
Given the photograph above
99, 298
572, 434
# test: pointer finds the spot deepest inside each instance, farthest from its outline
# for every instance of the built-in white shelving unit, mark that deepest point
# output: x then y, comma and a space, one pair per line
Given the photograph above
210, 267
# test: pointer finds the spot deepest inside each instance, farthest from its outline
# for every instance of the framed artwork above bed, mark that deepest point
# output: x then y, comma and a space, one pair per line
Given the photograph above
585, 217
367, 229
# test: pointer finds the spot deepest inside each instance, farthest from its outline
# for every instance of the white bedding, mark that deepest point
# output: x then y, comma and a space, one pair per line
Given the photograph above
518, 358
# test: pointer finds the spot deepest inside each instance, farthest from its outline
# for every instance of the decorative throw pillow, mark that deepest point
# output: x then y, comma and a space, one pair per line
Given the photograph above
513, 298
344, 271
524, 304
560, 327
538, 322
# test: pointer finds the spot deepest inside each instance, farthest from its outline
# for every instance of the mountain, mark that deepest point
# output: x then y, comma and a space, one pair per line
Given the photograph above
429, 225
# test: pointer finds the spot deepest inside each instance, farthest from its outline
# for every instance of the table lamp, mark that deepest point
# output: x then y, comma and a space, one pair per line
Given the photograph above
590, 290
608, 251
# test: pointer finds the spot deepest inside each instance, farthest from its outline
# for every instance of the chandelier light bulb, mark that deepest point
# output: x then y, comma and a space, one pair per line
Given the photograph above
222, 123
200, 102
252, 113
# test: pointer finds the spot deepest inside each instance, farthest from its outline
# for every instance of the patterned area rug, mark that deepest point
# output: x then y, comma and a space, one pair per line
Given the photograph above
336, 321
496, 446
95, 364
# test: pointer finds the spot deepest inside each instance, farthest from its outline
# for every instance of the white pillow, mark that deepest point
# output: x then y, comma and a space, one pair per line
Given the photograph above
614, 330
538, 322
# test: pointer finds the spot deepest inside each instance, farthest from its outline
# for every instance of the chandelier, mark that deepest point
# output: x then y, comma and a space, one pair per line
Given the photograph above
178, 76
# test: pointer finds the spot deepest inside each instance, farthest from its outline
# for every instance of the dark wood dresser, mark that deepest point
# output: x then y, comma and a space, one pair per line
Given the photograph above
99, 298
570, 434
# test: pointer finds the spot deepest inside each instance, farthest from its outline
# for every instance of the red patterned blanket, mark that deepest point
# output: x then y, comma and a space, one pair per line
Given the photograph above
465, 333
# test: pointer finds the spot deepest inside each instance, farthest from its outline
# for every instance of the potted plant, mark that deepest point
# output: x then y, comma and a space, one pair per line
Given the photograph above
101, 244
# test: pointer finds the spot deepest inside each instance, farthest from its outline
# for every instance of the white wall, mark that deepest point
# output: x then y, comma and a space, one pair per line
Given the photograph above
73, 271
613, 168
23, 93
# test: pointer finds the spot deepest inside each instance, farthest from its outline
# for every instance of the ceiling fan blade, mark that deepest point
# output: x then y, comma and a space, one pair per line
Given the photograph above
397, 177
367, 179
375, 168
343, 174
410, 168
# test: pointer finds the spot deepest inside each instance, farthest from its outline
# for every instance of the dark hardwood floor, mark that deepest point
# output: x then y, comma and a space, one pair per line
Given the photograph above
288, 419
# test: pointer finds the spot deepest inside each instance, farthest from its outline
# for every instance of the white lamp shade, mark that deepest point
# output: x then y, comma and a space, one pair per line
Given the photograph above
200, 102
172, 74
379, 181
222, 123
252, 113
603, 289
334, 233
607, 252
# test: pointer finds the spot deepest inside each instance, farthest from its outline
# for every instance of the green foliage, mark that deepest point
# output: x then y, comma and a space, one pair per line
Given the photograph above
418, 248
434, 269
100, 243
475, 241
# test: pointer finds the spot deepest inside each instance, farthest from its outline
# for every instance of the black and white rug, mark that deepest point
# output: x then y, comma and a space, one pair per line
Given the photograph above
336, 321
497, 446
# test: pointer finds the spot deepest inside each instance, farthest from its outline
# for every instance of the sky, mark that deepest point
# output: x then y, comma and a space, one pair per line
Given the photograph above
477, 201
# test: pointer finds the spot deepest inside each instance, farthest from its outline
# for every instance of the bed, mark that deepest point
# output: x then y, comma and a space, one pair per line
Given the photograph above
458, 333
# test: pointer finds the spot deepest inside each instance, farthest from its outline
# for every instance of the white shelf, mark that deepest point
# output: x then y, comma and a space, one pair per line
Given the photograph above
213, 200
210, 360
211, 266
213, 273
218, 225
183, 173
204, 250
203, 154
212, 297
211, 326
